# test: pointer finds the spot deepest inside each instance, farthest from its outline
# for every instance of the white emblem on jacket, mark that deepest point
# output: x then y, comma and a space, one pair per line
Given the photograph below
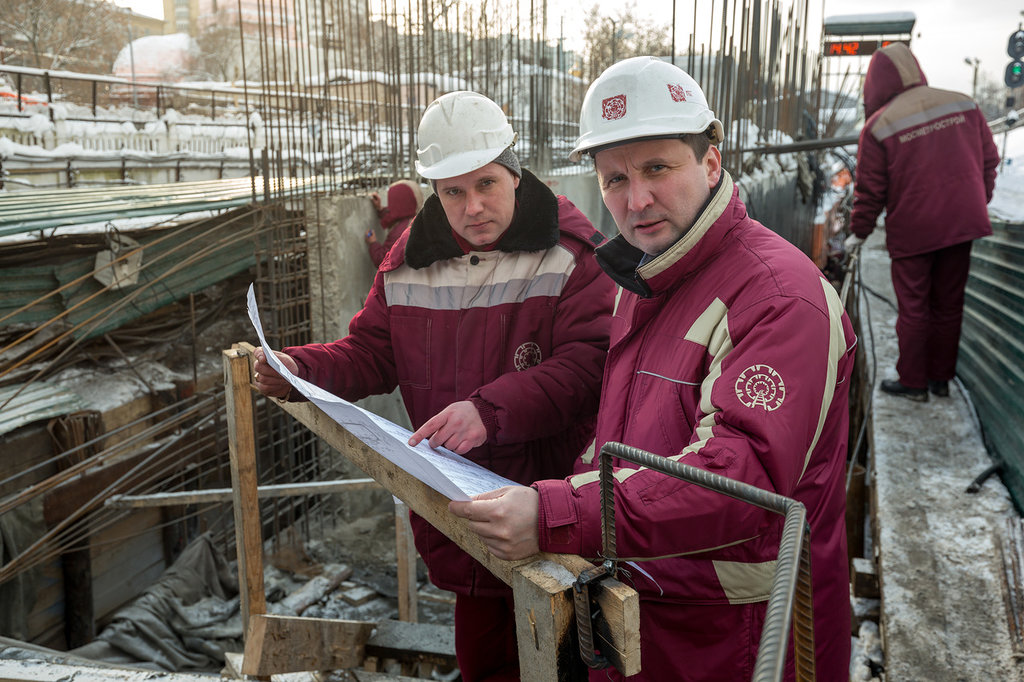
527, 355
760, 385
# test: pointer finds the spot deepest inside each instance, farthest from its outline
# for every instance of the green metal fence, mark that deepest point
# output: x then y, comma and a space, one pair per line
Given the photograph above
991, 363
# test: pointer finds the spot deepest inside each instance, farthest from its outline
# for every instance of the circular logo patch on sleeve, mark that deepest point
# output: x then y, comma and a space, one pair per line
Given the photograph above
527, 355
761, 386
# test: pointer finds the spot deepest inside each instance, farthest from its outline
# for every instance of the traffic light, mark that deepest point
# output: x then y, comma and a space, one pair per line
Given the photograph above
1014, 76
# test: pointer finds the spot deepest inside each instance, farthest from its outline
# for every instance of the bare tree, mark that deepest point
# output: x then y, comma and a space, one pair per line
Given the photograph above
609, 39
220, 50
78, 35
992, 96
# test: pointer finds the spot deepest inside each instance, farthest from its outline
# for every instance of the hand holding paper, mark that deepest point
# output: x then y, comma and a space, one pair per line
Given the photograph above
450, 474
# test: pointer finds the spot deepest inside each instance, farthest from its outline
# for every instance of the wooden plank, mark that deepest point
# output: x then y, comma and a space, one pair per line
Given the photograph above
279, 644
35, 449
263, 492
413, 642
242, 447
71, 496
405, 552
316, 589
127, 557
79, 619
544, 615
619, 603
233, 669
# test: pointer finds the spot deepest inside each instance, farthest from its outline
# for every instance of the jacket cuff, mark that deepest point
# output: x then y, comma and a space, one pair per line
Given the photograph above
486, 411
295, 395
558, 528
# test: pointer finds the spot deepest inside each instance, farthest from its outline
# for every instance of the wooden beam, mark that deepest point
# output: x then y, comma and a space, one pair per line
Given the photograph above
282, 644
242, 447
619, 603
405, 553
545, 619
263, 492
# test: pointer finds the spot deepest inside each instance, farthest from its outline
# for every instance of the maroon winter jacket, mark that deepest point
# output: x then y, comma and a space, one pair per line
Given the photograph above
521, 331
925, 156
730, 352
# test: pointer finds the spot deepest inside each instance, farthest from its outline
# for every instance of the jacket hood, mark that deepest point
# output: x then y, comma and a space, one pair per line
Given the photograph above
893, 69
403, 201
534, 228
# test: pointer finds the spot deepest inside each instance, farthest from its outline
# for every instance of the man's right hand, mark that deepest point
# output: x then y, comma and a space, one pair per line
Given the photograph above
375, 200
267, 380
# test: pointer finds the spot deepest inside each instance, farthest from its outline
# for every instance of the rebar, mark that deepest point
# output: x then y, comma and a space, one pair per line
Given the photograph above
790, 601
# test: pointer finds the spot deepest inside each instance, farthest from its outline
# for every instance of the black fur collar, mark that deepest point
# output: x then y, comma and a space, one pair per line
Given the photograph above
534, 226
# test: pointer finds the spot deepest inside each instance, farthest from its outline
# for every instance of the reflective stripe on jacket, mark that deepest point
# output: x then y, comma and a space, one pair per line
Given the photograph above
926, 157
521, 331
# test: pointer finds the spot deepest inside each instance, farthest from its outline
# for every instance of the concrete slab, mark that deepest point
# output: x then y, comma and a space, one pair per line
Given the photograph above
939, 548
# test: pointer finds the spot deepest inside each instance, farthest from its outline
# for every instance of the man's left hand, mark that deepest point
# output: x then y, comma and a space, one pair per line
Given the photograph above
505, 519
457, 427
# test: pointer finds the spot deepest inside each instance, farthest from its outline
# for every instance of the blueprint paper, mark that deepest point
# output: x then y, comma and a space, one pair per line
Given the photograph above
450, 474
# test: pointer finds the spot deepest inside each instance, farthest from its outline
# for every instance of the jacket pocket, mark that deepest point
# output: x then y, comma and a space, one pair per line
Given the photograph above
410, 338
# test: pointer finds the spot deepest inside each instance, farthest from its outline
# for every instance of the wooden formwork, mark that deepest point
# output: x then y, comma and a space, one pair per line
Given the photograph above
541, 585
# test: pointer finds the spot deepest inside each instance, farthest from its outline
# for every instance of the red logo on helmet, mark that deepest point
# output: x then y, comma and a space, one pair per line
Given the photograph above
677, 92
613, 107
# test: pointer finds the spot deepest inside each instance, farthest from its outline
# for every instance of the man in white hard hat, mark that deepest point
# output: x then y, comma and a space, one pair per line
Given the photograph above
729, 352
492, 316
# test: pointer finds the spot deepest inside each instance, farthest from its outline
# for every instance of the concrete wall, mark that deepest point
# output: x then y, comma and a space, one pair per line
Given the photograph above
583, 191
341, 274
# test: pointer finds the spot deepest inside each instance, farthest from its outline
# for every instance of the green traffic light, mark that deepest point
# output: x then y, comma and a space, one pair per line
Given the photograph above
1014, 75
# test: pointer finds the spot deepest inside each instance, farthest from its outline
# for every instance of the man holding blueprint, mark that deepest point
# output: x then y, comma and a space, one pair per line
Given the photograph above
492, 317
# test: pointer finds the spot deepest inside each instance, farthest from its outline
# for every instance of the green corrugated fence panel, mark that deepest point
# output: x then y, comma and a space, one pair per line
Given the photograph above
166, 276
19, 287
163, 279
991, 363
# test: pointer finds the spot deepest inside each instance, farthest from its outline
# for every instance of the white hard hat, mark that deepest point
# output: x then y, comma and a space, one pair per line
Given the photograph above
460, 132
642, 97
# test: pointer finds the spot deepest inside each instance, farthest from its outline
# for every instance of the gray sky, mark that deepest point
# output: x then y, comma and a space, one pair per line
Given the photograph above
948, 31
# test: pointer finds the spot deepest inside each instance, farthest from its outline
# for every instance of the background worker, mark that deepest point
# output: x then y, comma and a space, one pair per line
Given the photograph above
404, 200
729, 352
926, 157
491, 315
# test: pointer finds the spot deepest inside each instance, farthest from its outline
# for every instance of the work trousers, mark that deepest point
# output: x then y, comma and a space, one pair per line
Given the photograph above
485, 638
930, 297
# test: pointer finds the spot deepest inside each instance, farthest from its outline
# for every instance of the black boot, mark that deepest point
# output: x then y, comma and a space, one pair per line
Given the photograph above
894, 387
939, 388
